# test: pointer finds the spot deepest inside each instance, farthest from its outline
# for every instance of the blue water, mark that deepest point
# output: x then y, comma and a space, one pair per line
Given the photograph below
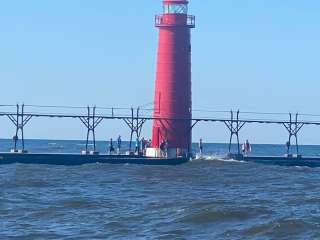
203, 199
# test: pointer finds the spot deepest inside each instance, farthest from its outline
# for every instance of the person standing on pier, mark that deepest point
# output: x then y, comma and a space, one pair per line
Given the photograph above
243, 149
143, 146
200, 146
137, 150
166, 147
111, 148
247, 147
162, 149
288, 147
119, 141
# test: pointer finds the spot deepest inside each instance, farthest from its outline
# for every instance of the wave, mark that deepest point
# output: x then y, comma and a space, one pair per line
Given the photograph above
279, 229
209, 215
216, 158
84, 144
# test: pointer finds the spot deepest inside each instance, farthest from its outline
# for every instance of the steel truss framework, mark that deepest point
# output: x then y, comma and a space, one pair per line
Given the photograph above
135, 121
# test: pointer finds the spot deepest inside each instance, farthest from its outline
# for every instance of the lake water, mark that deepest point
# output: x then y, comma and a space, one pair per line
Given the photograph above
203, 199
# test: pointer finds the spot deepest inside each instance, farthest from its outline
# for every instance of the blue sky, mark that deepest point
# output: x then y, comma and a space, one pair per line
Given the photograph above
252, 55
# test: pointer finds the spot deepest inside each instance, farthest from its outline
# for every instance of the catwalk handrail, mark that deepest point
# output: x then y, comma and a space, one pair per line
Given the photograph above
145, 117
135, 118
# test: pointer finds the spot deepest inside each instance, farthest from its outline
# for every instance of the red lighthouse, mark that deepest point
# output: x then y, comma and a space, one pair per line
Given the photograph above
172, 99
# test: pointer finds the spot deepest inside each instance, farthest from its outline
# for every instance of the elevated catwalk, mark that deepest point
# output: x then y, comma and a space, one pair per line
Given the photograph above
135, 120
77, 159
279, 160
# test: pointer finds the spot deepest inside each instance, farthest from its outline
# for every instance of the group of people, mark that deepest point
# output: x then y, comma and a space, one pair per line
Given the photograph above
140, 146
143, 144
111, 147
246, 147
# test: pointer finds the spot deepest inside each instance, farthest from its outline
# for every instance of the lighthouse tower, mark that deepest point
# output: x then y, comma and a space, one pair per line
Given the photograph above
172, 99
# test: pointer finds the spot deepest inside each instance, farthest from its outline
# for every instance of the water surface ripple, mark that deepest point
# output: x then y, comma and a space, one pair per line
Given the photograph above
204, 199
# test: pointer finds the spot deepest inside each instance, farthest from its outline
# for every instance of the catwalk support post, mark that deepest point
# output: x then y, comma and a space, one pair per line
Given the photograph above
20, 119
293, 127
91, 121
135, 123
234, 125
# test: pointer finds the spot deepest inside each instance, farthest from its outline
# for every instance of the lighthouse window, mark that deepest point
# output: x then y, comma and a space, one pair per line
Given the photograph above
175, 8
